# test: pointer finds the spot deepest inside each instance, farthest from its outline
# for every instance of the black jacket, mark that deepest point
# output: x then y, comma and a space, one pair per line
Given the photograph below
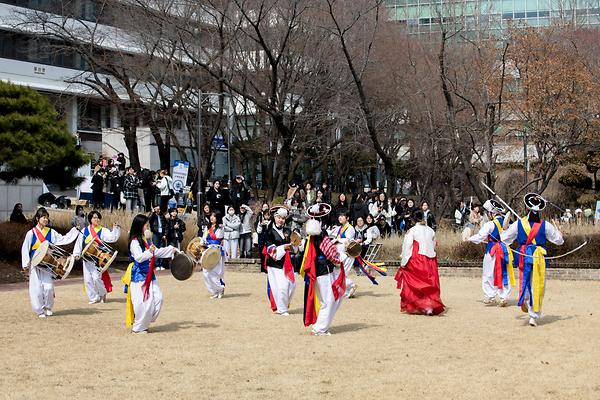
154, 224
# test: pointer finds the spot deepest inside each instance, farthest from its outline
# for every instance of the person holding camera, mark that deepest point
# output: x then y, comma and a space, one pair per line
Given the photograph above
165, 186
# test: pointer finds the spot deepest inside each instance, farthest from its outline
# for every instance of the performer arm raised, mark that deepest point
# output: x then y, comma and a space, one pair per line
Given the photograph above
553, 234
111, 236
482, 235
61, 240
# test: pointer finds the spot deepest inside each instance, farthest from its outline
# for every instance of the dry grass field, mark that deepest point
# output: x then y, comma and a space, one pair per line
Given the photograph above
235, 348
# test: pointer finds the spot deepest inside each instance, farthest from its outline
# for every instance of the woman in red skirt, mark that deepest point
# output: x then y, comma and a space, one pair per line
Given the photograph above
418, 278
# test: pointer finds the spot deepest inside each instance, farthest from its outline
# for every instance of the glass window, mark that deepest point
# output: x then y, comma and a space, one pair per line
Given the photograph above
532, 5
544, 14
507, 5
531, 14
507, 15
520, 5
519, 15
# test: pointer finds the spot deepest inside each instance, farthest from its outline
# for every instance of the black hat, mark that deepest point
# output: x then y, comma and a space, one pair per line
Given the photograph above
534, 202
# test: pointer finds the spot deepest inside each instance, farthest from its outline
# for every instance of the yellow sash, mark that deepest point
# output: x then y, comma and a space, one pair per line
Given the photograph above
126, 279
538, 275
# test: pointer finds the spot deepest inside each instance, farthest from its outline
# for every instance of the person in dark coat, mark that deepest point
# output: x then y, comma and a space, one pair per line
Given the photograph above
216, 198
17, 215
239, 192
98, 188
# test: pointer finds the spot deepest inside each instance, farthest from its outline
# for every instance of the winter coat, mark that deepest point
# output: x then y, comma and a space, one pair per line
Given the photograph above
231, 227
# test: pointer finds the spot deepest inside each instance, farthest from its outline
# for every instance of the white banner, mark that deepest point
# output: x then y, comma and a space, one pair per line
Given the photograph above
597, 216
180, 173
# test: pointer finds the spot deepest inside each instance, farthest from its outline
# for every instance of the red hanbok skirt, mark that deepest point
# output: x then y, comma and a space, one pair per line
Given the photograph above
419, 284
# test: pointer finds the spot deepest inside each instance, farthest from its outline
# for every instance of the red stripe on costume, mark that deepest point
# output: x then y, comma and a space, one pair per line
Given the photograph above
533, 232
40, 236
310, 312
339, 285
149, 275
497, 252
288, 267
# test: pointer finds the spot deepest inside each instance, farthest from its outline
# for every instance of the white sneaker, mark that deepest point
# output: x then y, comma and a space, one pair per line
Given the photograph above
315, 333
94, 301
103, 299
489, 300
41, 315
139, 333
532, 322
214, 296
284, 314
352, 291
503, 303
220, 296
49, 313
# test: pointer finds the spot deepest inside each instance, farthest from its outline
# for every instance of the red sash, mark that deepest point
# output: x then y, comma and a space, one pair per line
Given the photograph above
498, 252
105, 276
339, 285
212, 234
149, 275
288, 267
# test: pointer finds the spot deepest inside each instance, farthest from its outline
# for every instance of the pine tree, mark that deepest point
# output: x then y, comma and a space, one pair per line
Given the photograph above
34, 140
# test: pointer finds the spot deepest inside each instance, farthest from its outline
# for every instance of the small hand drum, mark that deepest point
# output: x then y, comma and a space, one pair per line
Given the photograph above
295, 239
195, 248
210, 258
353, 248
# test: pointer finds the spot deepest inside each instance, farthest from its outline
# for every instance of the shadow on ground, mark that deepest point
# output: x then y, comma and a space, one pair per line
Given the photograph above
176, 326
352, 327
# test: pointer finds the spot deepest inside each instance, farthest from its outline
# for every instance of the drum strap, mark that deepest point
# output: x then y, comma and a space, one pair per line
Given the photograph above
105, 276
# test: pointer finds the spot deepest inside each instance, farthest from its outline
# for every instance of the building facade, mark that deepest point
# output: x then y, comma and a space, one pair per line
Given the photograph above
491, 17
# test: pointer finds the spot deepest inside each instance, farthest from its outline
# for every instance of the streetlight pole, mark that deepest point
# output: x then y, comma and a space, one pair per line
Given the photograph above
200, 193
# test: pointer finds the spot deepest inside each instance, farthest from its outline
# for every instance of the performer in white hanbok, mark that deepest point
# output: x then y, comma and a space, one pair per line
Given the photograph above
341, 235
41, 284
144, 297
278, 263
323, 272
498, 275
532, 233
96, 284
213, 237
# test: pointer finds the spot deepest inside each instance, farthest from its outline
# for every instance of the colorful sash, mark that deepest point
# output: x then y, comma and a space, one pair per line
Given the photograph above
342, 231
532, 270
38, 238
503, 258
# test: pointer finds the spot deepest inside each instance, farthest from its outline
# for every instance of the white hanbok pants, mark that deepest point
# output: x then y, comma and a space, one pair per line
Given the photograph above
533, 314
213, 279
94, 286
147, 311
487, 280
281, 288
328, 304
41, 290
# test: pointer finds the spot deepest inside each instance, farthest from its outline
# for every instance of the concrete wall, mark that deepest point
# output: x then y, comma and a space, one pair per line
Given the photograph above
25, 191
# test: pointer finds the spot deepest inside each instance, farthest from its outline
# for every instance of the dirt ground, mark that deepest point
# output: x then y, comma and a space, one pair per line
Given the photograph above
235, 348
